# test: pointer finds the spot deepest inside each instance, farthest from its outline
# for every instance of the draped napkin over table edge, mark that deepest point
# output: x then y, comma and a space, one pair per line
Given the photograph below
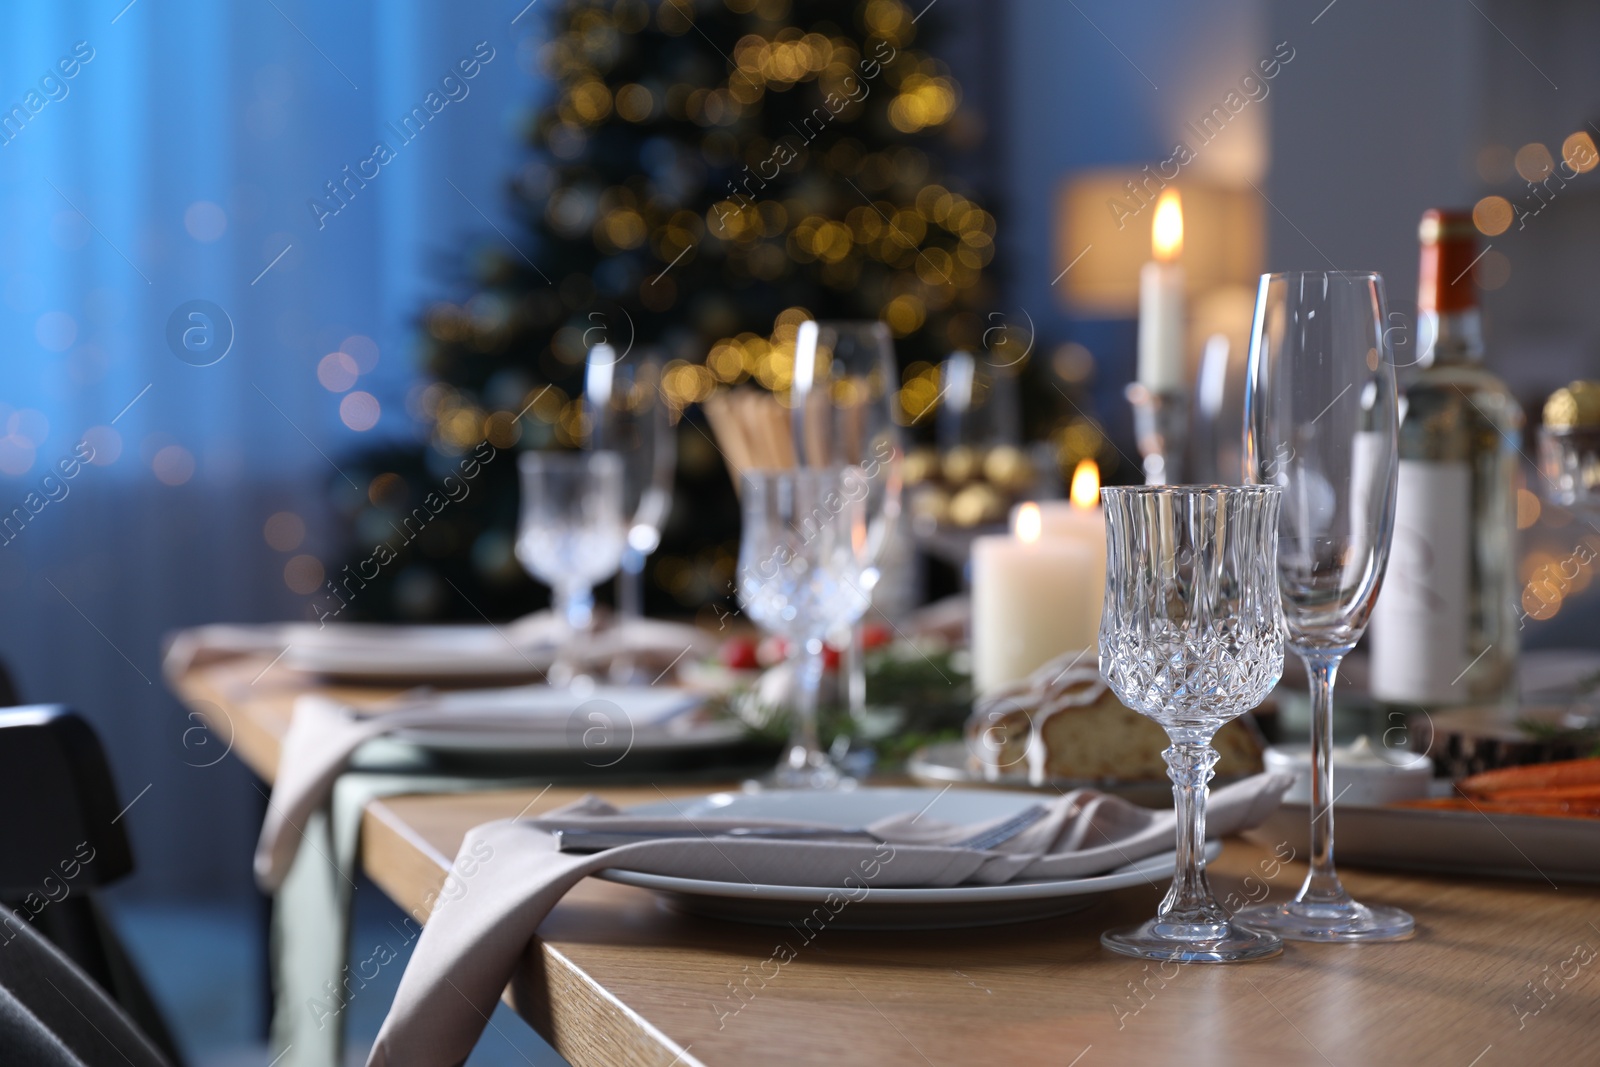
507, 877
325, 733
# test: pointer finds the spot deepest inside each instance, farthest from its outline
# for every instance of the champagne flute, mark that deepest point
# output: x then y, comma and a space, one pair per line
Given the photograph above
1192, 635
570, 536
802, 561
1321, 419
627, 415
843, 398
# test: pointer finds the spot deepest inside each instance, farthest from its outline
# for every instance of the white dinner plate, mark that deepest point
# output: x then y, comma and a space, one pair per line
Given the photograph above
886, 908
617, 730
542, 718
401, 654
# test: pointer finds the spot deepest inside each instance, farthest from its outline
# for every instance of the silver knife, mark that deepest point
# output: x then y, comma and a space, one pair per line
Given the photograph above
584, 840
599, 840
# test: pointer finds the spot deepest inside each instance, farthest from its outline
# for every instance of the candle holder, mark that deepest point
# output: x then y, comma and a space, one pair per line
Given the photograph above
1161, 428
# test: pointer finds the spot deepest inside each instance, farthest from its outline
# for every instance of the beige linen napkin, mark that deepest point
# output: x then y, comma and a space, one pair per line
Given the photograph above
324, 734
508, 876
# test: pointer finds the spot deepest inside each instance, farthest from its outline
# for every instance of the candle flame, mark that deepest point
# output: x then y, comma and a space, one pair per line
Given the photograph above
1086, 484
1029, 523
1166, 233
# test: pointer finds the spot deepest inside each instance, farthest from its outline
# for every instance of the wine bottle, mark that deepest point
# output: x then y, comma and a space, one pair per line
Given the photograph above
1444, 631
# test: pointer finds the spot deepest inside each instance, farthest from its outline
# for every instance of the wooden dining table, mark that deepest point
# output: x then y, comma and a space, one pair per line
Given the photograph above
1500, 971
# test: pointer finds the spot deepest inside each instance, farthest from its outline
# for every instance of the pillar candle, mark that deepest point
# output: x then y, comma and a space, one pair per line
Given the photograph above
1030, 601
1162, 367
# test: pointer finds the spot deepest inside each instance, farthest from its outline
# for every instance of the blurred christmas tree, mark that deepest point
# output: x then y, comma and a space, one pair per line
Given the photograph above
709, 174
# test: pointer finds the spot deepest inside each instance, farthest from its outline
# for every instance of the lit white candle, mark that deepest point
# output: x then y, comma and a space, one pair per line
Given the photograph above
1162, 367
1081, 519
1029, 599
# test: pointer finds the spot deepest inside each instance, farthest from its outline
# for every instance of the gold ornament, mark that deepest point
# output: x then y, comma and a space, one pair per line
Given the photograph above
1577, 406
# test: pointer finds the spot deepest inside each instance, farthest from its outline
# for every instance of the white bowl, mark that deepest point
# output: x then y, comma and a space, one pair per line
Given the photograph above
1362, 775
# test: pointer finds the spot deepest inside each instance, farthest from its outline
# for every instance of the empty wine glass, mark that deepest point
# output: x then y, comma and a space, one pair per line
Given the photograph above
802, 574
844, 392
628, 415
570, 536
1192, 635
1320, 412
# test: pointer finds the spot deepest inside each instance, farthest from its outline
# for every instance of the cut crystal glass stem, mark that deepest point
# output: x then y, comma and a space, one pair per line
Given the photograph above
1189, 902
805, 765
574, 602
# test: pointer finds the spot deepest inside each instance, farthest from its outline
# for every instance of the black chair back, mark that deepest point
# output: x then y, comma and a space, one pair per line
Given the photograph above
64, 832
52, 1015
63, 838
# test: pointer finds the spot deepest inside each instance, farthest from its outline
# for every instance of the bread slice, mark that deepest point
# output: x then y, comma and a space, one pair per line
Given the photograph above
1076, 728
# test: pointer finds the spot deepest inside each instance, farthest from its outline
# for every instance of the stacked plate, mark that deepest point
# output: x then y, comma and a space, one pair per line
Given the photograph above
879, 909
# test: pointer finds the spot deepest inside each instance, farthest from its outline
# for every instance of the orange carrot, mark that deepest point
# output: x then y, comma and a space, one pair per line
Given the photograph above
1555, 809
1570, 792
1563, 774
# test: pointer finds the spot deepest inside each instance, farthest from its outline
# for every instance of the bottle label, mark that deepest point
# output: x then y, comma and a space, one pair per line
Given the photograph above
1420, 622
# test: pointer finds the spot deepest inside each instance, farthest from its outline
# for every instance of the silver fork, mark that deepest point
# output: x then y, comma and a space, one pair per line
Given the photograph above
587, 840
998, 835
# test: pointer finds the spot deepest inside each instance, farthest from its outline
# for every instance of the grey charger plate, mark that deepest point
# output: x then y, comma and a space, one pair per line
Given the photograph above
1557, 850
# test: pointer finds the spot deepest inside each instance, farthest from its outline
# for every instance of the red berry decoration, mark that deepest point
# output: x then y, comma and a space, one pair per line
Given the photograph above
739, 654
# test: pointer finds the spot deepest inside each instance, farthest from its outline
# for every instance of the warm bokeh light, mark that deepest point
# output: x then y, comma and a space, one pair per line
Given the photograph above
1579, 152
1029, 523
1492, 215
359, 411
1528, 508
338, 372
1541, 603
1073, 363
1493, 270
1494, 163
303, 574
205, 221
363, 349
284, 531
173, 465
1534, 162
1166, 232
1086, 484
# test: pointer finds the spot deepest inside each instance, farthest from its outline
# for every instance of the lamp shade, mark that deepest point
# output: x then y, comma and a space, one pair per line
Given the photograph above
1103, 228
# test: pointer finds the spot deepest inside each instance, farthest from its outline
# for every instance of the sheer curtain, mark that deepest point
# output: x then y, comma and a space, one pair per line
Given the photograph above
210, 276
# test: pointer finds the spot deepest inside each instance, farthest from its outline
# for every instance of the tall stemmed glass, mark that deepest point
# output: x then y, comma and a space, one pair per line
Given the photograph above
628, 416
1192, 635
570, 536
1321, 421
843, 396
802, 565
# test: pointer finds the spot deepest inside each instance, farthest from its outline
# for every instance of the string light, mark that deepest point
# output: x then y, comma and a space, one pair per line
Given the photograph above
646, 128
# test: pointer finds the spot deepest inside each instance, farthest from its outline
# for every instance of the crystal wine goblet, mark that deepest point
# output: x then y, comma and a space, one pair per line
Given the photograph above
1321, 421
628, 415
844, 392
802, 561
1192, 635
570, 536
